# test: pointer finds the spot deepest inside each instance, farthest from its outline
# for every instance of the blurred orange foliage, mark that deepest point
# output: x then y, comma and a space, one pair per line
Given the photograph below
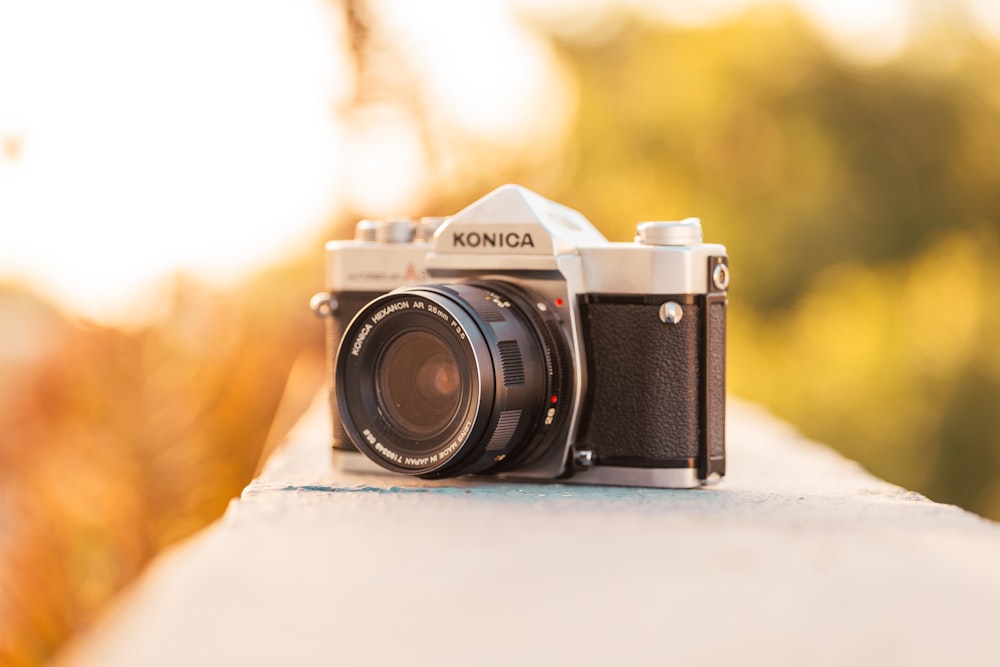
117, 443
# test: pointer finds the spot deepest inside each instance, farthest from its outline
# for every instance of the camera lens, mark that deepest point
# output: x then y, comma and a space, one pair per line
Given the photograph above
418, 384
444, 380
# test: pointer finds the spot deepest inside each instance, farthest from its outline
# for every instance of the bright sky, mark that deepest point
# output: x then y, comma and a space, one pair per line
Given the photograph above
139, 138
144, 136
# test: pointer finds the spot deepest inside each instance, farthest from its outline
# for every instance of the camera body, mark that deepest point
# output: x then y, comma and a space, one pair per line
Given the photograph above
512, 339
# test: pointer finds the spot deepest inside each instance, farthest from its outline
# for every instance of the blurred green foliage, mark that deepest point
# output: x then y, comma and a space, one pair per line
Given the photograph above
861, 210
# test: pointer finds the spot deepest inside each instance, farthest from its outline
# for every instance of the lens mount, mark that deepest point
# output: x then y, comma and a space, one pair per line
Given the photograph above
444, 380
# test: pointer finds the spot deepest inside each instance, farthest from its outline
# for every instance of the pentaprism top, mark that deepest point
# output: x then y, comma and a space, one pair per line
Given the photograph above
515, 218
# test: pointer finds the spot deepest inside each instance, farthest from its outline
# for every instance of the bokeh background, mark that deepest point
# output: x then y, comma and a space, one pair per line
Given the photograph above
170, 170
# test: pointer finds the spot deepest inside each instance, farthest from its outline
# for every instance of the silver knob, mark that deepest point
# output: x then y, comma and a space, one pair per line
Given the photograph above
671, 312
365, 230
684, 232
324, 304
583, 458
394, 230
720, 276
427, 227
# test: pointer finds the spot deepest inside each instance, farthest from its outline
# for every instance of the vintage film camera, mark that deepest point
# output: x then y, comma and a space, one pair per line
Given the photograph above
512, 339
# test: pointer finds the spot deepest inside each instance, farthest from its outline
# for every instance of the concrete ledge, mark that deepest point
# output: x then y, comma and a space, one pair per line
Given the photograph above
798, 557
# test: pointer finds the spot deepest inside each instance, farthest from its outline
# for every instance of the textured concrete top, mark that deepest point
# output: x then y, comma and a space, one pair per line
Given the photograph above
797, 557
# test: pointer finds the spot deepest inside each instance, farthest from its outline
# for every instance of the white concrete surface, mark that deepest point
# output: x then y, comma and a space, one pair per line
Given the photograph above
798, 558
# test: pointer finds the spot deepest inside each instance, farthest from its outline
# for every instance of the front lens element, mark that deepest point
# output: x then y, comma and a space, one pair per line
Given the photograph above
418, 384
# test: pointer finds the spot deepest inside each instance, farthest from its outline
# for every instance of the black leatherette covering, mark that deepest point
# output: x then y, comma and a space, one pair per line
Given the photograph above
643, 391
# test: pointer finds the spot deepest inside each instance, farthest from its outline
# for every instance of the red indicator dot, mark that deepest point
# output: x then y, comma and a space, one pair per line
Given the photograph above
554, 398
559, 303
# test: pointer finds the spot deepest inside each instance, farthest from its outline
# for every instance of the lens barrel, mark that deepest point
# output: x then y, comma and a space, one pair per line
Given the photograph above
445, 380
